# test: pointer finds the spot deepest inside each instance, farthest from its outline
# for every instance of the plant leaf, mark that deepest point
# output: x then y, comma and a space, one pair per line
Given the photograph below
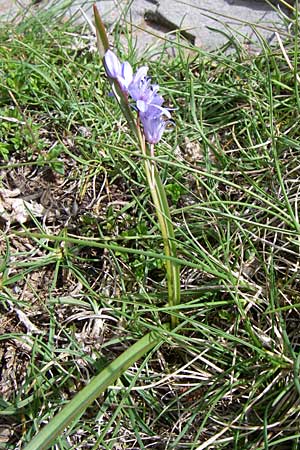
102, 39
75, 407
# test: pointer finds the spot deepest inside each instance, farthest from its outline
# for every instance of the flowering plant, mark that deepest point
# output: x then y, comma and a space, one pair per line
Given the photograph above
152, 115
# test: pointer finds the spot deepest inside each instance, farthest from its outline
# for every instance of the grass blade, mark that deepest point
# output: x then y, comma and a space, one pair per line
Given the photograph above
88, 394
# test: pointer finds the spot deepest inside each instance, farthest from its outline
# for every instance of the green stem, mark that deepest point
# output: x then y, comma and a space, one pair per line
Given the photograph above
160, 201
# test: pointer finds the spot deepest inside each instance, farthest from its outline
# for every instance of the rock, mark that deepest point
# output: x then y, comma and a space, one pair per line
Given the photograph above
210, 24
204, 23
9, 8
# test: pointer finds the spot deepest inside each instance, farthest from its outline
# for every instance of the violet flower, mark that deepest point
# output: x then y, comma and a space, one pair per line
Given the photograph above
121, 72
145, 93
152, 119
154, 127
155, 108
141, 89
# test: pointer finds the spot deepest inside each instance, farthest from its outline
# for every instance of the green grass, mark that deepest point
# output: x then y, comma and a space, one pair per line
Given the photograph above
84, 279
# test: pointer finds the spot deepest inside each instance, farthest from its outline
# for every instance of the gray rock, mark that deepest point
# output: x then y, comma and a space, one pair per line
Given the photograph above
204, 23
9, 8
209, 23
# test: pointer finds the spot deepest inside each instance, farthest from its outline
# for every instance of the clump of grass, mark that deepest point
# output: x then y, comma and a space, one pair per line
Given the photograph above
85, 279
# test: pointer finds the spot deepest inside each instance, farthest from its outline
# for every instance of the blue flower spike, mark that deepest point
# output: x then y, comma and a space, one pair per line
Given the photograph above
148, 102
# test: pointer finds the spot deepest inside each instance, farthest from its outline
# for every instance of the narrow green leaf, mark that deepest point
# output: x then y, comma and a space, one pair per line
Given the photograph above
166, 226
102, 39
44, 439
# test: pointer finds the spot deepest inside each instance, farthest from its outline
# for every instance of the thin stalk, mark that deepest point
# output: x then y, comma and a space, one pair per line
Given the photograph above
160, 201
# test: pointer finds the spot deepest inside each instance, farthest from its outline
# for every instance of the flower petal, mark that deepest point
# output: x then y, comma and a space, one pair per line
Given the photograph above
112, 64
153, 128
140, 74
142, 105
127, 73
